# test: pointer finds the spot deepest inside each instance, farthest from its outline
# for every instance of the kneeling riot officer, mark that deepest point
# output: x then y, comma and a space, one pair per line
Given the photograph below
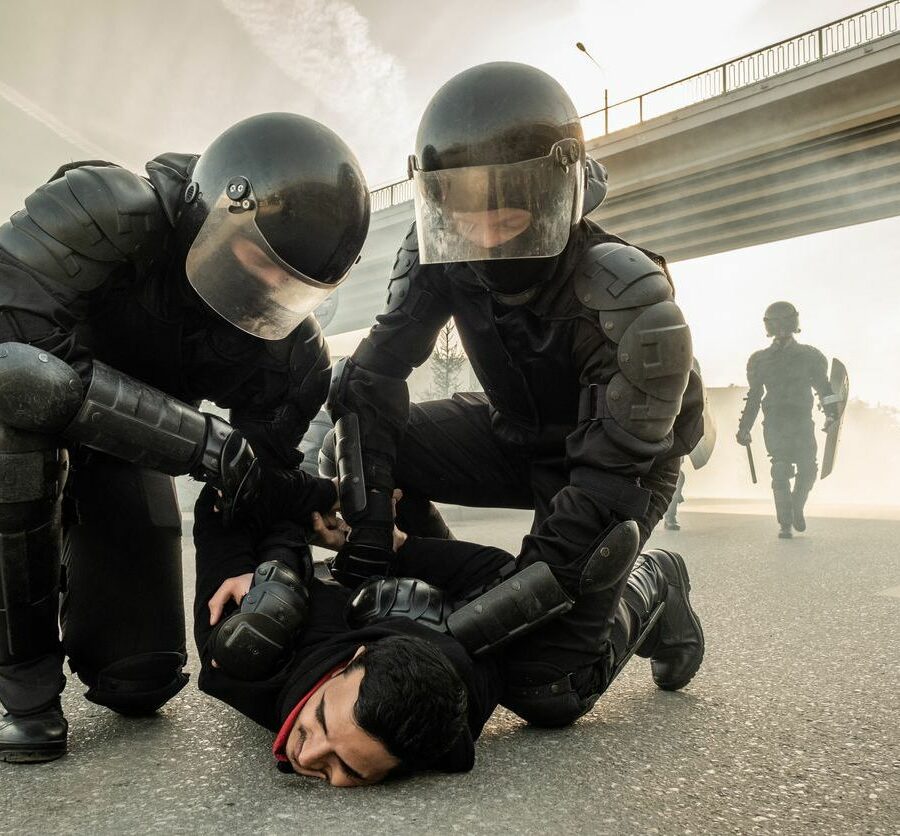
589, 399
781, 379
125, 300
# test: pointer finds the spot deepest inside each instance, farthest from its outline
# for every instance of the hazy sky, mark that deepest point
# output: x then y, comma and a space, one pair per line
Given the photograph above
125, 81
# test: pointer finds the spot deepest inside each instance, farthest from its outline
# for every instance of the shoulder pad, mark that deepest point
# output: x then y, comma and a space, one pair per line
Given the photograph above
74, 227
124, 206
655, 352
614, 276
757, 357
406, 260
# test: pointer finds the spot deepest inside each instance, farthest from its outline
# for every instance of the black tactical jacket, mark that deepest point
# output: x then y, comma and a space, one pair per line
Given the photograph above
781, 379
548, 368
87, 272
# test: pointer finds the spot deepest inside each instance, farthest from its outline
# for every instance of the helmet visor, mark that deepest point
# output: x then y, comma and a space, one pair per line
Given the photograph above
233, 268
515, 210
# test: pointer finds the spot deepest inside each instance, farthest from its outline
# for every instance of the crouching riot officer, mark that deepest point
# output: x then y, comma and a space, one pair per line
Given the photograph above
585, 358
124, 301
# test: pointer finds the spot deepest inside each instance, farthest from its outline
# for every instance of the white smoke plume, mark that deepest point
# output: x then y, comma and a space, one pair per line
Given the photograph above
326, 46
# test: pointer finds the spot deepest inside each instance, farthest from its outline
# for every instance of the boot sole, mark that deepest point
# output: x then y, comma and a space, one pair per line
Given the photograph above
685, 584
31, 754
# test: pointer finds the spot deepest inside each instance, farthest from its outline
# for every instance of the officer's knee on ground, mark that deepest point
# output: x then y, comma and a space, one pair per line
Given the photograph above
551, 704
137, 685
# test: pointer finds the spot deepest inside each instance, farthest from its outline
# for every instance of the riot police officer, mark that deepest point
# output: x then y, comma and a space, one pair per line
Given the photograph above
584, 357
123, 300
781, 379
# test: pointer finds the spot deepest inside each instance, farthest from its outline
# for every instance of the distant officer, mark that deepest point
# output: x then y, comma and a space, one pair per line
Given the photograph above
781, 379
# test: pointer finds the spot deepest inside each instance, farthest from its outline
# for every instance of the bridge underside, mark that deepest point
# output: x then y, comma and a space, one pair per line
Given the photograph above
815, 149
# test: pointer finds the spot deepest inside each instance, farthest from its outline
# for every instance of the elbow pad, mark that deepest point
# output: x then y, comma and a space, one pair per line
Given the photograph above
257, 641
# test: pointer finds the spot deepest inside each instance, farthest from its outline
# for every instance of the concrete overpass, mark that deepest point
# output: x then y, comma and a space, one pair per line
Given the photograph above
798, 137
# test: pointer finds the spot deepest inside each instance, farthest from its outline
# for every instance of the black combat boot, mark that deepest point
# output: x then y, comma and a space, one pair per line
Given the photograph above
675, 643
782, 472
34, 738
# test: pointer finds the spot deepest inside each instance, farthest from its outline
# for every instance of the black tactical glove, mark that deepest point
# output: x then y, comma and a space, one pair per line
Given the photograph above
369, 552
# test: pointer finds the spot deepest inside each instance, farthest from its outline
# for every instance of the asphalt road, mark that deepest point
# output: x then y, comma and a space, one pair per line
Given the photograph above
791, 726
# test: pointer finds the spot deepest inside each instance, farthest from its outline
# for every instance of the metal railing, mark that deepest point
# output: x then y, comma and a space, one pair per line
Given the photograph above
815, 45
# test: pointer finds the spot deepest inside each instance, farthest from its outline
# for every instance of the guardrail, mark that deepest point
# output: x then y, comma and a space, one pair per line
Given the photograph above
808, 48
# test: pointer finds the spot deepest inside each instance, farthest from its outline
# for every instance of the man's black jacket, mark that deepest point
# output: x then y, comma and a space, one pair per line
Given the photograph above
327, 641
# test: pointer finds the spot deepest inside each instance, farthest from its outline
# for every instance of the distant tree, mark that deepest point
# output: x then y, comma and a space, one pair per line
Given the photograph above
447, 362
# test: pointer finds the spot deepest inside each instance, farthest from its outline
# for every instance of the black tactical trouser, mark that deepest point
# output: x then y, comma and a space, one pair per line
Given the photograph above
791, 444
122, 612
450, 454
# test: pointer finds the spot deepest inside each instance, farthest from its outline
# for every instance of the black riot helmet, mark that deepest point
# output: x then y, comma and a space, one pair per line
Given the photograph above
781, 320
273, 219
499, 168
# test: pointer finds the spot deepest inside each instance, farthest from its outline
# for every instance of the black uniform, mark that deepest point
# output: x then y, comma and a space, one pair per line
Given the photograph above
584, 416
327, 641
458, 570
87, 273
781, 379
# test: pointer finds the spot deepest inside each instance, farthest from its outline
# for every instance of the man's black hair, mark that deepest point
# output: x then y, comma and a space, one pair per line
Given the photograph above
410, 698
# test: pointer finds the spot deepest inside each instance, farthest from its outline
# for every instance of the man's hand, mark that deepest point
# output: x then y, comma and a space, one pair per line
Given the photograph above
743, 438
329, 531
232, 589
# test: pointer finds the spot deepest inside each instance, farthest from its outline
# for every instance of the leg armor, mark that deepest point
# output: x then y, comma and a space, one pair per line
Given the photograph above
32, 474
510, 609
256, 641
125, 418
123, 610
653, 618
806, 478
782, 473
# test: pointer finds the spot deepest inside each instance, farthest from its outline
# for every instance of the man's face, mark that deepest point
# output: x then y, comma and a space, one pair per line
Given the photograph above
256, 262
492, 227
327, 743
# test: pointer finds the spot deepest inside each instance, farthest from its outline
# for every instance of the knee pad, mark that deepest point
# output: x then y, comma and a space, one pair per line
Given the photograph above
806, 473
137, 685
781, 472
546, 698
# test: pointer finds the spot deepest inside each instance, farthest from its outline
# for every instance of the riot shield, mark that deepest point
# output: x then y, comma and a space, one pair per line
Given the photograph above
840, 387
703, 450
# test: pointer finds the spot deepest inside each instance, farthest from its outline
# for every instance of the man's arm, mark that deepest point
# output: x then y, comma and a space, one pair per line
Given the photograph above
818, 378
752, 400
221, 553
372, 383
634, 363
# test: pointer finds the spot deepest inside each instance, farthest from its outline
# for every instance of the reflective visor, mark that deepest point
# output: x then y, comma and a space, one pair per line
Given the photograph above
516, 210
236, 272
